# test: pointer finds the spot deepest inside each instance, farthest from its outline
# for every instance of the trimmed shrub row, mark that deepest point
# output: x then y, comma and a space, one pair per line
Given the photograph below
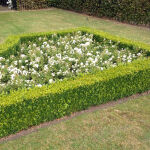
27, 107
130, 11
31, 4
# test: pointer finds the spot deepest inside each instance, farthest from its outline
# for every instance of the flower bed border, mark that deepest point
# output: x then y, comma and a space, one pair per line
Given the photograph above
24, 108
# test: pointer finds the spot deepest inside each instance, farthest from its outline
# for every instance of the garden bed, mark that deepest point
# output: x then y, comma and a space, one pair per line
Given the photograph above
47, 60
45, 76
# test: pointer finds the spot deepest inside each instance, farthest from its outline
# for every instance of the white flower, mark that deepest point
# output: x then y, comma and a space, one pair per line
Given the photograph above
53, 74
90, 59
23, 56
89, 40
58, 56
86, 63
58, 73
27, 81
42, 46
40, 38
22, 67
1, 75
22, 49
124, 56
51, 81
86, 70
45, 43
46, 68
81, 64
34, 45
2, 66
20, 61
85, 45
133, 55
107, 52
71, 59
73, 41
25, 72
26, 61
47, 46
102, 68
110, 59
15, 62
29, 46
2, 59
12, 77
36, 65
34, 71
96, 60
89, 54
38, 59
77, 71
39, 85
78, 50
2, 85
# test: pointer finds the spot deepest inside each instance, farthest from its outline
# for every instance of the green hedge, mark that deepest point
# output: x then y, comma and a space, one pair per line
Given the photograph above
27, 107
130, 11
31, 4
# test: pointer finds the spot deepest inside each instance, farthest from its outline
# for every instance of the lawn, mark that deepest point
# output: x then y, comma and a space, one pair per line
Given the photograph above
124, 127
53, 19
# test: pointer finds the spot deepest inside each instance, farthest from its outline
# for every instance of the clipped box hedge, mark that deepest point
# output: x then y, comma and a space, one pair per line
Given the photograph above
27, 107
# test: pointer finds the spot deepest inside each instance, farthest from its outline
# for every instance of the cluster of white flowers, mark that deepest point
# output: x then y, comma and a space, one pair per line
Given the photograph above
46, 60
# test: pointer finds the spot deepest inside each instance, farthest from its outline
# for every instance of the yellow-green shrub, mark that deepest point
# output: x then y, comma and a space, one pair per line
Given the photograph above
27, 107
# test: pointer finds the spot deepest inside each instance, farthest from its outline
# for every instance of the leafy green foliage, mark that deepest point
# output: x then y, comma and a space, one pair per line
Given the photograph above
131, 11
31, 4
27, 107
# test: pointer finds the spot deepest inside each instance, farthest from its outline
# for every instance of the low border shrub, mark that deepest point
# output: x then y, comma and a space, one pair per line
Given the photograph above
27, 107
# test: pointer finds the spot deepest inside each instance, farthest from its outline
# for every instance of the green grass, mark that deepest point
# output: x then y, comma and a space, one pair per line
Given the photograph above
123, 127
53, 19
